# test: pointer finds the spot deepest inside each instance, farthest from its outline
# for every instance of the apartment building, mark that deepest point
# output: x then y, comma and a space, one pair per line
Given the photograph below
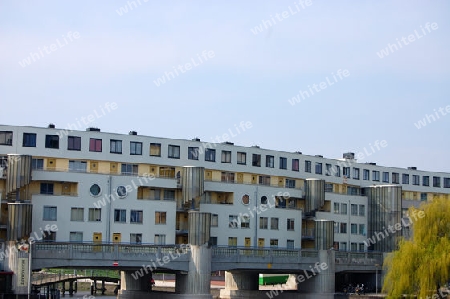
93, 186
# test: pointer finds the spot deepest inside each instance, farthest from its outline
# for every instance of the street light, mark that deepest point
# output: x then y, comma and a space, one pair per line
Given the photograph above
376, 278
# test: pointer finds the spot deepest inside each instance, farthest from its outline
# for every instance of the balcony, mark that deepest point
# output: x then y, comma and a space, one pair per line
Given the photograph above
308, 234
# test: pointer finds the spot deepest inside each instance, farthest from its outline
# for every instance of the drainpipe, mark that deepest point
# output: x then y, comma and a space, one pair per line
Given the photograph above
108, 211
255, 238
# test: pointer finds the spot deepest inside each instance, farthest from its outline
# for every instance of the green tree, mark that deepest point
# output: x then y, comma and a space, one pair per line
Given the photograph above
421, 264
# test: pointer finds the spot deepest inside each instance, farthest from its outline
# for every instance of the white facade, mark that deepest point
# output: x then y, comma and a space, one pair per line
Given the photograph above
274, 177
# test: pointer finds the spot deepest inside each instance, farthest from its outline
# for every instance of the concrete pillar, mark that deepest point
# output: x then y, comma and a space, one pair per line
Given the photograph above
71, 287
131, 288
319, 278
197, 282
242, 280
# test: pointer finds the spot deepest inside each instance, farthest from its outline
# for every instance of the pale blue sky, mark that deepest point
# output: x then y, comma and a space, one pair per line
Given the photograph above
250, 78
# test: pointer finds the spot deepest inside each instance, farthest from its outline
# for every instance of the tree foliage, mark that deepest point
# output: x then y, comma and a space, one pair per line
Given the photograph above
422, 263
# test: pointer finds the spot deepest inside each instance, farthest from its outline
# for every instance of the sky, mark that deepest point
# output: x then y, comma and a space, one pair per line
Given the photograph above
320, 77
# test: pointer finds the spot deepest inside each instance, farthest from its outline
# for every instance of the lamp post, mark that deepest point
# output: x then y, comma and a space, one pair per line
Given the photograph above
376, 278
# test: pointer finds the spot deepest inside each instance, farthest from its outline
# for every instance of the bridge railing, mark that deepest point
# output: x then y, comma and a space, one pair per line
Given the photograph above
359, 258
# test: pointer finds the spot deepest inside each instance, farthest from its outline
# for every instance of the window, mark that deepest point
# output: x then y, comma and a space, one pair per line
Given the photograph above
361, 247
274, 243
210, 155
263, 200
95, 145
338, 171
241, 158
49, 213
283, 163
169, 195
228, 177
95, 214
395, 178
405, 178
308, 166
343, 228
47, 188
136, 216
155, 149
232, 241
120, 215
327, 169
346, 172
362, 210
423, 196
354, 228
416, 179
193, 153
318, 168
77, 166
77, 214
233, 221
95, 190
336, 227
328, 187
256, 160
213, 241
425, 180
446, 182
273, 223
353, 190
343, 246
115, 146
362, 229
29, 140
269, 161
355, 173
290, 183
155, 194
245, 222
264, 180
437, 181
354, 209
290, 244
51, 141
129, 169
160, 239
37, 164
343, 208
375, 175
135, 148
353, 246
174, 151
215, 220
226, 156
336, 208
295, 164
290, 224
263, 222
385, 177
74, 143
121, 191
76, 237
160, 217
135, 238
6, 137
366, 174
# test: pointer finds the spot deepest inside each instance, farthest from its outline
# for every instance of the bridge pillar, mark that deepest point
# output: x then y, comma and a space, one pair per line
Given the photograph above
319, 280
131, 288
197, 282
242, 280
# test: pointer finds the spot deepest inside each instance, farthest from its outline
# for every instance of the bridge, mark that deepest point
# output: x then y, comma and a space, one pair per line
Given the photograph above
175, 258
